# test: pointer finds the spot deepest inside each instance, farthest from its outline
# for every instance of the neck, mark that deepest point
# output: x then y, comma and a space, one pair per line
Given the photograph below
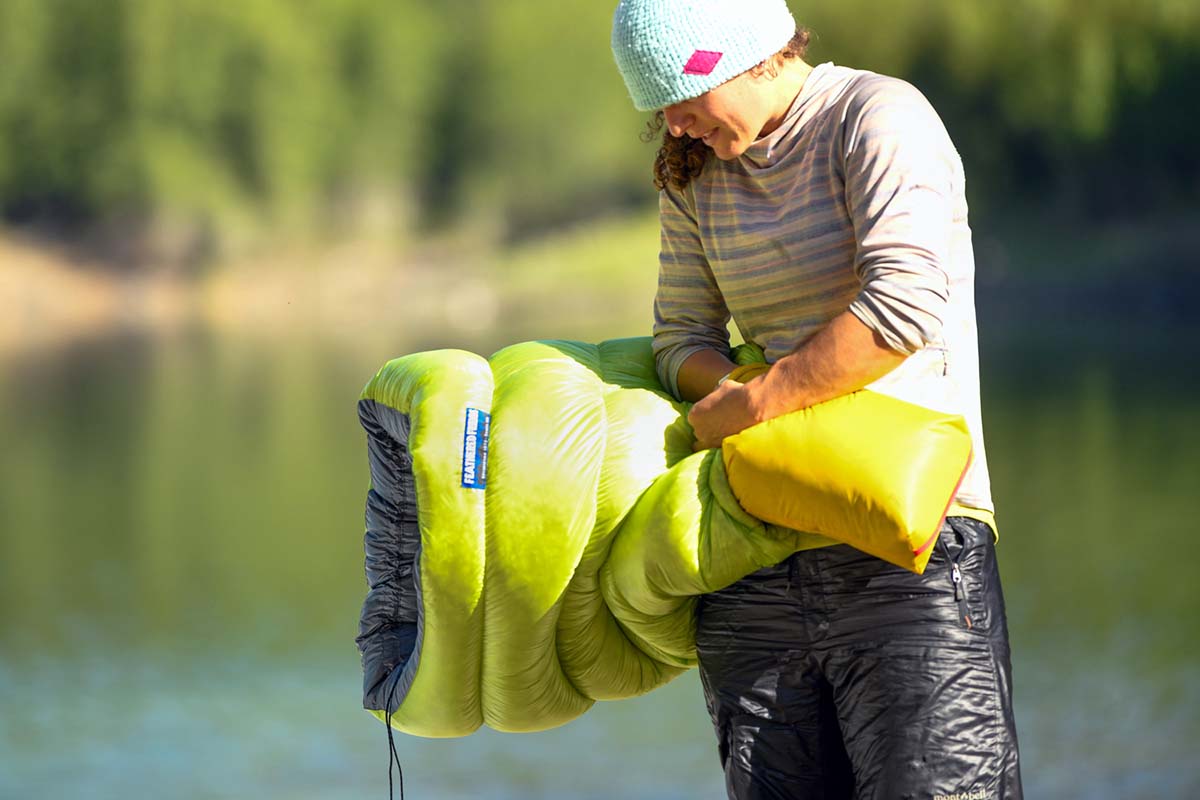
785, 88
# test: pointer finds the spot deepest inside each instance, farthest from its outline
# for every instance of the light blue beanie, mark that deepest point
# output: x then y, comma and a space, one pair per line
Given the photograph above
673, 50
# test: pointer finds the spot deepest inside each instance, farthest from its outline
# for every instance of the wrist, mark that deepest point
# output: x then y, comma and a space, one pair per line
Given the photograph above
758, 400
769, 397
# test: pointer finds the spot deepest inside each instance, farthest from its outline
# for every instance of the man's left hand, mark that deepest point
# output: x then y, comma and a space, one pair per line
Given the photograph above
728, 409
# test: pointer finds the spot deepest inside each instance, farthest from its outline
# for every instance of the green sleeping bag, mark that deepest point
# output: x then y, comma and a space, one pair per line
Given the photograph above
538, 529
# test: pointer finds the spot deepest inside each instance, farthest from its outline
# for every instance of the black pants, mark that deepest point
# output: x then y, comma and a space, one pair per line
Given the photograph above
836, 675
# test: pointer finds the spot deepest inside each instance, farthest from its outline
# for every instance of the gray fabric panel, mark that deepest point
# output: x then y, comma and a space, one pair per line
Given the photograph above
391, 625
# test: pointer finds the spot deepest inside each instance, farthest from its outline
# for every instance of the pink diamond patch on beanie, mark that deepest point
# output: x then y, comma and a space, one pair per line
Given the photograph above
702, 62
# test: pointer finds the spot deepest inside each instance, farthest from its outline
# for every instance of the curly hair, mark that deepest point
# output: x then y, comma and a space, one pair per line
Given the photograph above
681, 158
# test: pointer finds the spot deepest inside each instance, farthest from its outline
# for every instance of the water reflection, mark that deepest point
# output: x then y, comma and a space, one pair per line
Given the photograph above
180, 575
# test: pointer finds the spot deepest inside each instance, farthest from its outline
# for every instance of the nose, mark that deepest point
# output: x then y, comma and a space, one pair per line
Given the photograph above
678, 120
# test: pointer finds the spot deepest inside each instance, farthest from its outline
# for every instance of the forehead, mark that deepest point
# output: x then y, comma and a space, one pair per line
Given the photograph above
735, 91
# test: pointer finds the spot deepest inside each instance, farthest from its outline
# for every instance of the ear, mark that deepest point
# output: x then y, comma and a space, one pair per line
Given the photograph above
768, 69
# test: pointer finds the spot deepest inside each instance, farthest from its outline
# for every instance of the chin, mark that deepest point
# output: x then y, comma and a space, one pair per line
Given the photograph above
728, 151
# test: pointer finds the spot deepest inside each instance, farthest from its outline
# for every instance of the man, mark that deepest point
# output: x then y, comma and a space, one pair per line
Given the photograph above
824, 210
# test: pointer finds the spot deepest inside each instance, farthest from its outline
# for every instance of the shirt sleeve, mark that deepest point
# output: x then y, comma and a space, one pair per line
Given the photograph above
689, 312
901, 170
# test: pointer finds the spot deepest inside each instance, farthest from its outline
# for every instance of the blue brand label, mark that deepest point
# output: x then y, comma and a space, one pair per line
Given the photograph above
475, 449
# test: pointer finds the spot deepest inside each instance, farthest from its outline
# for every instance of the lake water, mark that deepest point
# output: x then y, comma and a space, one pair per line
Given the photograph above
181, 573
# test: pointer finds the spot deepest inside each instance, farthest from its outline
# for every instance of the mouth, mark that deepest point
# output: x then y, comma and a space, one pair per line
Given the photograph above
709, 137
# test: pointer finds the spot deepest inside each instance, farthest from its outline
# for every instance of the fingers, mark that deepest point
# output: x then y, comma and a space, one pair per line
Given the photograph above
714, 417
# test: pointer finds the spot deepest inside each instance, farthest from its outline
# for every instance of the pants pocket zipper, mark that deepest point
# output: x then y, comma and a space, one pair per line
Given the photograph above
960, 586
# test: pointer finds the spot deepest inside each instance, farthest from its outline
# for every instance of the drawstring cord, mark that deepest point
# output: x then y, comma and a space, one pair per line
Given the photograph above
393, 755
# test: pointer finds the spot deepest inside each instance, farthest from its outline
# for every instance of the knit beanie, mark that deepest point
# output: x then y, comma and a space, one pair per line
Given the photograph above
673, 50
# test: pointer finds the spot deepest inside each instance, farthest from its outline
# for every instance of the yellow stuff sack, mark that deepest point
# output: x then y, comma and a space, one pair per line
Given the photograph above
865, 469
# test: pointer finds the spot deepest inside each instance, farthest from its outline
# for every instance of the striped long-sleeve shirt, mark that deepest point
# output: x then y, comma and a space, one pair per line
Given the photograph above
856, 201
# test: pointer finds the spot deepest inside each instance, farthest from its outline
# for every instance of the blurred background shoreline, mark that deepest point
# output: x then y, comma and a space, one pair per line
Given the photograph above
1139, 273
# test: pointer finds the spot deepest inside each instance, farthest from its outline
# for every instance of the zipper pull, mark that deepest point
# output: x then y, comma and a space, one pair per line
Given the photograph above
960, 594
960, 588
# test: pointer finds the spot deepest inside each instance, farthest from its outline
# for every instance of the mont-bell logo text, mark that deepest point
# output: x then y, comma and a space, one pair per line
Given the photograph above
969, 794
475, 449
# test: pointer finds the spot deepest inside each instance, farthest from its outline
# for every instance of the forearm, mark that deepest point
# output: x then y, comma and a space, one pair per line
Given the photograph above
698, 375
842, 357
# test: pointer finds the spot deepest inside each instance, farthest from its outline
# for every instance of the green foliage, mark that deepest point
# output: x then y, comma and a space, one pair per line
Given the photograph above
209, 112
232, 119
1078, 98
